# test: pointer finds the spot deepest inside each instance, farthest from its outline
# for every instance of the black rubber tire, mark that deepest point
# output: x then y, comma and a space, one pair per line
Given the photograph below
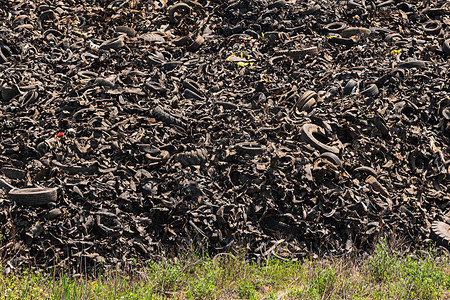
250, 148
446, 113
226, 105
370, 91
432, 27
194, 157
446, 47
194, 87
48, 14
34, 196
349, 87
9, 93
167, 117
392, 36
341, 41
130, 32
335, 27
307, 135
379, 30
5, 185
420, 64
299, 53
306, 101
351, 31
5, 52
276, 4
367, 170
333, 158
115, 43
182, 8
199, 41
13, 173
190, 94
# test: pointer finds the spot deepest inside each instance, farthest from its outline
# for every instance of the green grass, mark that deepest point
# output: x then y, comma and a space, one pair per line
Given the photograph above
385, 275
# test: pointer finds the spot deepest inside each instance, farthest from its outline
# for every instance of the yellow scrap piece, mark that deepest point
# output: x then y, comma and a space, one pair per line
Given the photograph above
331, 36
232, 55
396, 52
244, 64
81, 34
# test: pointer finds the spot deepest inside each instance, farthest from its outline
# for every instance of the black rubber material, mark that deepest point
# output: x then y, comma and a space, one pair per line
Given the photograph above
199, 40
189, 94
5, 52
34, 196
250, 148
103, 82
276, 4
5, 185
194, 87
194, 157
160, 114
351, 84
13, 173
367, 170
351, 31
8, 93
446, 113
391, 36
333, 158
181, 8
157, 156
335, 27
406, 7
379, 30
226, 105
446, 47
306, 101
370, 91
115, 43
48, 14
432, 27
307, 135
385, 3
341, 41
413, 64
127, 30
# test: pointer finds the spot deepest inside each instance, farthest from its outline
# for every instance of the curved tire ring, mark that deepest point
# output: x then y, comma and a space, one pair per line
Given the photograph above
333, 158
335, 27
181, 8
306, 101
348, 89
307, 135
371, 91
367, 170
48, 15
250, 148
432, 27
